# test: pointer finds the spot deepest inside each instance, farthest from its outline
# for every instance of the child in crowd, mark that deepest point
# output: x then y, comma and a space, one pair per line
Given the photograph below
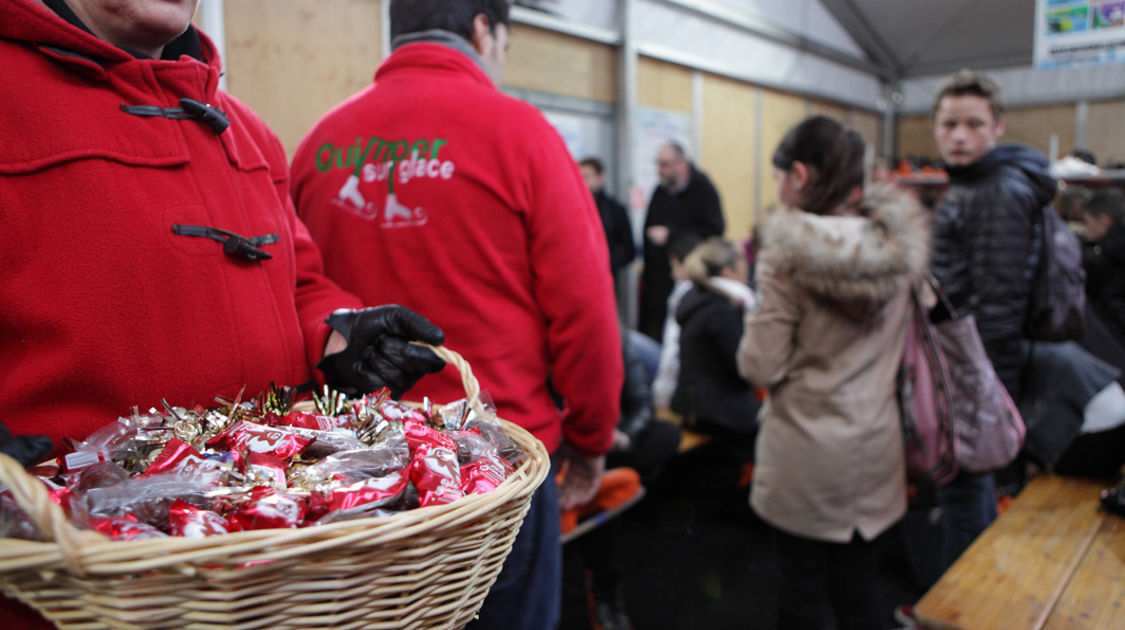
834, 278
668, 367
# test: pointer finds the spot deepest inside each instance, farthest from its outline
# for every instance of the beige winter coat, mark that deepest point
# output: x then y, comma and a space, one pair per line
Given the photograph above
827, 341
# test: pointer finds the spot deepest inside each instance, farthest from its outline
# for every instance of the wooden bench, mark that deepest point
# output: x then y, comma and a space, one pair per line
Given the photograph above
1052, 560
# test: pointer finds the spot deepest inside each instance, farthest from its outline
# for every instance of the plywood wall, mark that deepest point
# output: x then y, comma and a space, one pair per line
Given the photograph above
729, 114
869, 126
1105, 131
663, 85
292, 60
779, 113
914, 136
820, 108
546, 61
1034, 126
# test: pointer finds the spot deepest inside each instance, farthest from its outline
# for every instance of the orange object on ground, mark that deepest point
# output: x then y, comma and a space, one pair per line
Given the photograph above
618, 486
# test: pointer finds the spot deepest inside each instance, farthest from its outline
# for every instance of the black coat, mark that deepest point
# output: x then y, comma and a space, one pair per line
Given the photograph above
1105, 279
618, 231
987, 244
710, 394
695, 210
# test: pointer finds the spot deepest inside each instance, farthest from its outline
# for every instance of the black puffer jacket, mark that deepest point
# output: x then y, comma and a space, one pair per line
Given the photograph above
986, 247
1105, 278
710, 394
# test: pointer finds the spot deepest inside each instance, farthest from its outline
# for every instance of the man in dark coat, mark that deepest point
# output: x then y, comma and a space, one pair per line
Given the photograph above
685, 202
1104, 257
618, 232
986, 247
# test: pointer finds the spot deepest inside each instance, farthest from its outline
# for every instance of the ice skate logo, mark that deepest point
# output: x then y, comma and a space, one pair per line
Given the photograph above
395, 162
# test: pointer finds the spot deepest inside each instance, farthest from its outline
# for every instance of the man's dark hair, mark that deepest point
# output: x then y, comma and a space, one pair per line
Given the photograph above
834, 156
682, 244
969, 83
1107, 202
455, 16
593, 163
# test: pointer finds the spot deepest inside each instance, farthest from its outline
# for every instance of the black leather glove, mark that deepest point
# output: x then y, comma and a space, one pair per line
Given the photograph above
379, 353
28, 450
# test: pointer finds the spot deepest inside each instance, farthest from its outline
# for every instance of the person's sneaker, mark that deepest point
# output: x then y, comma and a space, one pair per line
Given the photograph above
905, 616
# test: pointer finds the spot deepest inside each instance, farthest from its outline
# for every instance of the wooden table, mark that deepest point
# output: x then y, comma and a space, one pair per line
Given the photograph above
1053, 560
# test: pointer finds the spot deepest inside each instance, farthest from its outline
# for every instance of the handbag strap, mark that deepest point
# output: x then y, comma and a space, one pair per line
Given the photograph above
942, 297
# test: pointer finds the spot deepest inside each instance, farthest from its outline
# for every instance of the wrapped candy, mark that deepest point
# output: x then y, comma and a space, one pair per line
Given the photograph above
268, 508
434, 472
484, 475
124, 527
190, 521
249, 436
358, 498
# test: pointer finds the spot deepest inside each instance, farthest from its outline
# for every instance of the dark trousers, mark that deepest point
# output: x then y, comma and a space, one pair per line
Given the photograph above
821, 578
968, 507
527, 594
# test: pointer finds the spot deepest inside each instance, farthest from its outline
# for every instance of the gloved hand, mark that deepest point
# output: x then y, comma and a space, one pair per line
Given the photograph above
581, 476
379, 352
26, 449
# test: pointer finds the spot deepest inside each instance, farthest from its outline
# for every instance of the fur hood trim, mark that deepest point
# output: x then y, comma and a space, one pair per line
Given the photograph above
866, 258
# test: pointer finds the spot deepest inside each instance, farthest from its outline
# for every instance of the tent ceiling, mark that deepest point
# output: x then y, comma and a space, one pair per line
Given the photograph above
912, 38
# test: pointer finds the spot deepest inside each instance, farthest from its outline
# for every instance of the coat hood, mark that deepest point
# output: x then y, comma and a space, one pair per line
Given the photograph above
1028, 162
854, 261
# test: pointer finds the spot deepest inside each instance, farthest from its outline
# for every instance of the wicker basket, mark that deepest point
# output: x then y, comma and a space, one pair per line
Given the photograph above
425, 568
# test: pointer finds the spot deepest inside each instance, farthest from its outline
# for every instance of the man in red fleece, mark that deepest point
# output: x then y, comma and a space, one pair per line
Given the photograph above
437, 191
150, 249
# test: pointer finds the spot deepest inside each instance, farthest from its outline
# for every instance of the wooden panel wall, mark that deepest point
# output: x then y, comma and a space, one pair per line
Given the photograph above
1034, 126
291, 61
915, 136
779, 113
820, 108
560, 64
869, 126
1105, 131
729, 113
663, 85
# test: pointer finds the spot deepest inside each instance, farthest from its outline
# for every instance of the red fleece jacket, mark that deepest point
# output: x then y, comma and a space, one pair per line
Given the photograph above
432, 189
102, 307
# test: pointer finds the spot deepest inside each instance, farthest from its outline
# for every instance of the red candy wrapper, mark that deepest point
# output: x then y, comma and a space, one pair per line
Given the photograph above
367, 493
180, 458
435, 473
266, 469
258, 438
312, 421
484, 475
124, 527
190, 521
394, 410
418, 433
268, 508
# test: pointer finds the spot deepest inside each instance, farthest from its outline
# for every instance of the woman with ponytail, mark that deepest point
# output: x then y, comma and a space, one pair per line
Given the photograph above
834, 276
710, 394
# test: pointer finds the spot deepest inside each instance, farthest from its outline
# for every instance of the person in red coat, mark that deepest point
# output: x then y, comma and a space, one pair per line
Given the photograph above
150, 247
439, 192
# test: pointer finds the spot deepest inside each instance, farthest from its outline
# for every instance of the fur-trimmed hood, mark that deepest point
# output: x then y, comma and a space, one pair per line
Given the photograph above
863, 260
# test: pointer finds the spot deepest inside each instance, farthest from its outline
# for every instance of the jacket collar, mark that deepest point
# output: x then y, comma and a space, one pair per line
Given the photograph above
435, 49
866, 258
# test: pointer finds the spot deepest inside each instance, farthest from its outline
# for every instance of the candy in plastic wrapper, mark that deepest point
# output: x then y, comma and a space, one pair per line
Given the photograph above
484, 475
265, 470
394, 410
418, 433
178, 457
471, 446
325, 443
128, 441
360, 496
351, 466
124, 527
99, 475
144, 498
268, 508
249, 436
315, 422
14, 522
434, 471
490, 428
190, 521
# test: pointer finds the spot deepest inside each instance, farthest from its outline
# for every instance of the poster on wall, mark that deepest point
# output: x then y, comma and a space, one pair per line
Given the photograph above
1073, 33
653, 129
